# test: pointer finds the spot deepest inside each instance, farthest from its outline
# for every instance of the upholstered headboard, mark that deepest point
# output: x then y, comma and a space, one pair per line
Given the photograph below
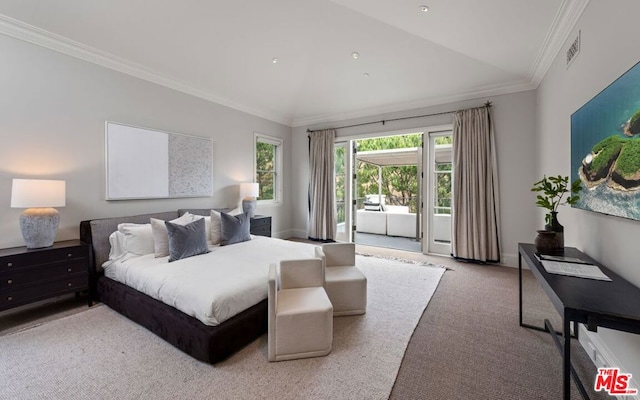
96, 232
201, 211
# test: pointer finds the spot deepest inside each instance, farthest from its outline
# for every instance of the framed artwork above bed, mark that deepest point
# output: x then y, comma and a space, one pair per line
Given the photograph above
143, 163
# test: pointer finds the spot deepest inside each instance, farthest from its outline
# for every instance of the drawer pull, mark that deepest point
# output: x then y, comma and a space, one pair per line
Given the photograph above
9, 281
9, 298
9, 264
69, 255
68, 269
69, 284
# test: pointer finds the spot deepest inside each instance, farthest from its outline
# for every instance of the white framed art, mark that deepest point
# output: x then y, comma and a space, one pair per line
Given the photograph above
143, 163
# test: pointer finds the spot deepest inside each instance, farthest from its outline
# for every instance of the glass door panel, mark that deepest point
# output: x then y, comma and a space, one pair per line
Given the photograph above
440, 164
341, 191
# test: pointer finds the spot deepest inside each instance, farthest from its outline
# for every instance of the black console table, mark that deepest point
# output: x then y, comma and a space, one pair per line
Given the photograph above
595, 303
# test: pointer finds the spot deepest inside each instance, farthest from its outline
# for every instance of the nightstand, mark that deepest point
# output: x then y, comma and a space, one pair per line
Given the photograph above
30, 275
261, 225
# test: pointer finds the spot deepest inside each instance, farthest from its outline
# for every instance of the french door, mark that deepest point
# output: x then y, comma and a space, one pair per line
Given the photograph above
439, 196
342, 190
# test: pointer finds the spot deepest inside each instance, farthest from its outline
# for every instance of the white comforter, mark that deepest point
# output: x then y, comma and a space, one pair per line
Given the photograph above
211, 287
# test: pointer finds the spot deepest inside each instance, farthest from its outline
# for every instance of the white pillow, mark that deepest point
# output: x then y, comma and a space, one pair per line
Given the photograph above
216, 227
216, 234
207, 224
160, 236
138, 238
116, 240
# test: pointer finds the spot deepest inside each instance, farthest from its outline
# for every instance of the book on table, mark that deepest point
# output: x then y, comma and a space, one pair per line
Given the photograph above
561, 258
581, 269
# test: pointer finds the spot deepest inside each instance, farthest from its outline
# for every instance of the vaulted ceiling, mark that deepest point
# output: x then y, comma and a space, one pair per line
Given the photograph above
224, 51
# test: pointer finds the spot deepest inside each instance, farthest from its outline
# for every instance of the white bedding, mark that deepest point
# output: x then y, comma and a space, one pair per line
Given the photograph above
211, 287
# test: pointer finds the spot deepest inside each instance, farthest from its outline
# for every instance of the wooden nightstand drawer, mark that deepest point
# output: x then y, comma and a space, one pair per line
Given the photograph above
27, 276
16, 258
12, 298
261, 232
261, 225
260, 221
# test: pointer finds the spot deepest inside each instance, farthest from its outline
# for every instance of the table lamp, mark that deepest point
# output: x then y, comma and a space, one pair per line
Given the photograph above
39, 222
249, 203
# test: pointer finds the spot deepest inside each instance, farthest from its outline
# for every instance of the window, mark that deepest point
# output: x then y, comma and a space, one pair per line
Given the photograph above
442, 194
442, 175
268, 168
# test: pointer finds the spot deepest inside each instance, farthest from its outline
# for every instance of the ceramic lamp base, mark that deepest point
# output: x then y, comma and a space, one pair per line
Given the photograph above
249, 207
39, 226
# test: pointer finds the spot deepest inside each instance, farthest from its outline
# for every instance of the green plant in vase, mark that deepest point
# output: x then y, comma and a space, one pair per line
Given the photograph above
551, 194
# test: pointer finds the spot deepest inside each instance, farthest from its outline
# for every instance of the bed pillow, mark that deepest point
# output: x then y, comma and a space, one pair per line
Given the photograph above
234, 229
188, 240
117, 250
207, 224
216, 235
138, 238
160, 237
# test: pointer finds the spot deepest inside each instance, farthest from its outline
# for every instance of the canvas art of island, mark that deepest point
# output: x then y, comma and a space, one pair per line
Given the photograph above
605, 149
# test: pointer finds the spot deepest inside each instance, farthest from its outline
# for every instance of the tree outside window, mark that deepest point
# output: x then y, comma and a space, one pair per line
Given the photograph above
267, 167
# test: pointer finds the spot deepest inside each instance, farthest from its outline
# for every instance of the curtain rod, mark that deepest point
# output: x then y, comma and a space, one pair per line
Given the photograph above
384, 121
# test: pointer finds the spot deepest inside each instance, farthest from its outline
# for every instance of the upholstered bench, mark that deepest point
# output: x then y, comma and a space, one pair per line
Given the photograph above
345, 284
300, 313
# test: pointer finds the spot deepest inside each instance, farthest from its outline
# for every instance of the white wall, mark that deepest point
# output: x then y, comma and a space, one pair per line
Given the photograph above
609, 48
52, 113
514, 116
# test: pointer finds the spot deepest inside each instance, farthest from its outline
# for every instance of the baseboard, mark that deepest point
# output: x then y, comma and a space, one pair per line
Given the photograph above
510, 260
286, 234
297, 233
602, 357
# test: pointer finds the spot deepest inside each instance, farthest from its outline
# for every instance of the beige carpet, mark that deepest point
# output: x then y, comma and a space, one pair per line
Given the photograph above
100, 354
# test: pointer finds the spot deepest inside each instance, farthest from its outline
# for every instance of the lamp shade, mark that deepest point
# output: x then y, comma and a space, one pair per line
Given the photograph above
249, 189
36, 193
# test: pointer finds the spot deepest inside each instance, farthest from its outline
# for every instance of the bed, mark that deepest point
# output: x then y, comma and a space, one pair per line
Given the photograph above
209, 340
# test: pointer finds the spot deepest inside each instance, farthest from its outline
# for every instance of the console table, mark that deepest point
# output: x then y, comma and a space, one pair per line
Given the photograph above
595, 303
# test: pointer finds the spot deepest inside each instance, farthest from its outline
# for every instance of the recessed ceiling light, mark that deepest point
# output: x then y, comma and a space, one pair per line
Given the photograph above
424, 9
355, 55
274, 60
366, 74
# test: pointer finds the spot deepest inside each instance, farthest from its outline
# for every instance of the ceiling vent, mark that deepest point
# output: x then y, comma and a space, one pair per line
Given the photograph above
574, 50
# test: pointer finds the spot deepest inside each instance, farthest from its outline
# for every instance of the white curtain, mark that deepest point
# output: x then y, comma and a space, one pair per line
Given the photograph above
476, 217
322, 207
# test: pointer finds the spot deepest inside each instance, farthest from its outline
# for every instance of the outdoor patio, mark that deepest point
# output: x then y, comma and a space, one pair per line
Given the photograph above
390, 242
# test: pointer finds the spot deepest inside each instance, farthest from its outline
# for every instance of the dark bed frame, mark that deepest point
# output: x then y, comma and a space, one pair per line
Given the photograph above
206, 343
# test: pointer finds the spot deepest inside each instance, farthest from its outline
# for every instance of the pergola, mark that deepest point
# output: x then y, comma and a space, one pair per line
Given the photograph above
403, 157
395, 158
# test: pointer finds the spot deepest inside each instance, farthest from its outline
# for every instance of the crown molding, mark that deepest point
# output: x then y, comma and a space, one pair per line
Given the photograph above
434, 101
31, 34
562, 25
565, 20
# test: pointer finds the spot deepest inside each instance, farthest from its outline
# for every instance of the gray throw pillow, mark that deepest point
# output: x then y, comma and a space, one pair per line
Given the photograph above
188, 240
234, 228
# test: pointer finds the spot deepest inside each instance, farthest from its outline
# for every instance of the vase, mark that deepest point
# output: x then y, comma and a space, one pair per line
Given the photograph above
555, 226
546, 242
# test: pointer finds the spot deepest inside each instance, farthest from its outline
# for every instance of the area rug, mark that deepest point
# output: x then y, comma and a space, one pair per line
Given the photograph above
100, 354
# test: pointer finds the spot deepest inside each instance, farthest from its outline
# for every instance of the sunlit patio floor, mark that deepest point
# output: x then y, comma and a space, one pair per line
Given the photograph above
390, 242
